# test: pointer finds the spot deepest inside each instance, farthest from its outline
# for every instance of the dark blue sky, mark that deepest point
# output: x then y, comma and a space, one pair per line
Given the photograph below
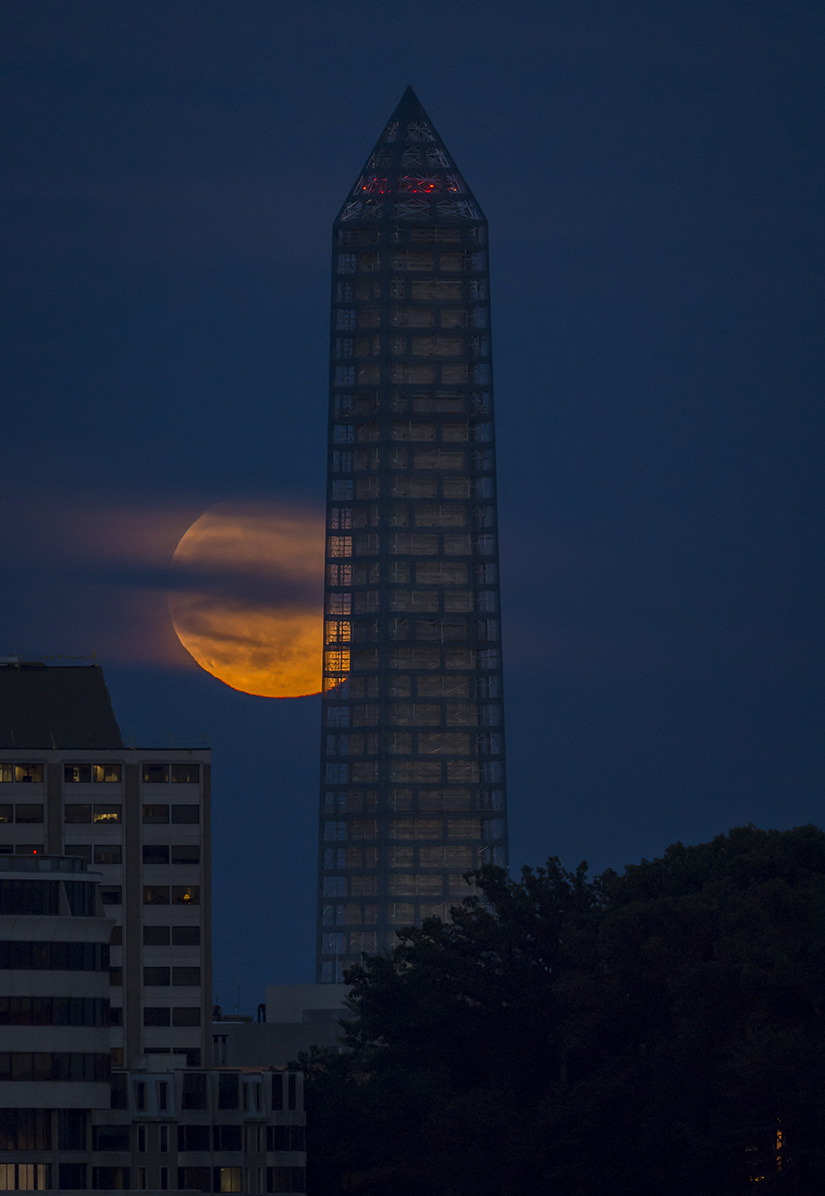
653, 178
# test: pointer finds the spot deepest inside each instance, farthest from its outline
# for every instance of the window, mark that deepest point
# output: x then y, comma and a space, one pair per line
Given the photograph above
26, 1177
155, 894
193, 1137
155, 774
153, 814
253, 1094
106, 813
155, 854
186, 976
193, 1095
156, 936
186, 895
156, 976
28, 773
111, 1178
105, 854
184, 774
77, 774
77, 813
228, 1092
156, 1015
186, 814
185, 853
106, 773
186, 936
228, 1179
186, 1015
111, 894
28, 813
141, 1139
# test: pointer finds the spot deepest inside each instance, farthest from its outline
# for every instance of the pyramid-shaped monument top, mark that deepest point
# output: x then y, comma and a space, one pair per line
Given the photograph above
410, 175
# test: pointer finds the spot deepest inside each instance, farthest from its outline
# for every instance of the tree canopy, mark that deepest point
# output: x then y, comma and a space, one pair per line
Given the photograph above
656, 1031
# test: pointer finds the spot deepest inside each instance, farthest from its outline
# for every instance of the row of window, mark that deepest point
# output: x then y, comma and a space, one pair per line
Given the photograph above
426, 743
396, 884
171, 895
153, 1094
21, 812
164, 976
401, 514
424, 685
459, 401
54, 1011
428, 630
154, 894
421, 714
206, 1137
366, 659
422, 344
238, 1179
371, 288
56, 956
27, 1177
438, 799
404, 573
84, 812
412, 486
177, 1015
416, 770
367, 602
351, 319
53, 1065
395, 913
416, 234
112, 853
176, 936
445, 261
31, 1129
408, 855
188, 774
413, 373
446, 544
43, 897
414, 828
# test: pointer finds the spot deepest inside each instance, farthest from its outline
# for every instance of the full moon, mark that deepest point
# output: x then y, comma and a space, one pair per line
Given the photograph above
247, 600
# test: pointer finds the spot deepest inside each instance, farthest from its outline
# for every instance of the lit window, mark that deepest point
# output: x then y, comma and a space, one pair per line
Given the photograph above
106, 814
184, 774
28, 773
106, 773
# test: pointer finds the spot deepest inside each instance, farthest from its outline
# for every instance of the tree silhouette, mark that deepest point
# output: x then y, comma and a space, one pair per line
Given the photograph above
657, 1031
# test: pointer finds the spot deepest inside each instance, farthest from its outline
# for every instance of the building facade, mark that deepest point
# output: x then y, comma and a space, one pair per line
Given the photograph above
141, 818
105, 974
412, 760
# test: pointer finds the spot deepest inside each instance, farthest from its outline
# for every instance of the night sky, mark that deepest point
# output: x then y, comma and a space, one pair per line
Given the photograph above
652, 173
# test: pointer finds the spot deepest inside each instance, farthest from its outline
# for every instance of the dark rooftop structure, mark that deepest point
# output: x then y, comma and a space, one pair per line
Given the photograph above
56, 706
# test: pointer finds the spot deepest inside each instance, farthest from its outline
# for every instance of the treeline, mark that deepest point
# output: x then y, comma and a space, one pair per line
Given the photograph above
659, 1031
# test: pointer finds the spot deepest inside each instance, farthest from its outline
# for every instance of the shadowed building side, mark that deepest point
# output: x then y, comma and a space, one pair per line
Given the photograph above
412, 784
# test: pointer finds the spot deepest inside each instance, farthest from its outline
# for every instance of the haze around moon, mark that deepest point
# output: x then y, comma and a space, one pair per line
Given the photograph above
247, 597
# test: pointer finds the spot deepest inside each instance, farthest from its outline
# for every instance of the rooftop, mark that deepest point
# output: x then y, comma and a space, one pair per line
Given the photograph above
56, 706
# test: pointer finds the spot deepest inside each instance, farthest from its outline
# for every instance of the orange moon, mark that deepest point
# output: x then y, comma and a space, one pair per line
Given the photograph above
247, 600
